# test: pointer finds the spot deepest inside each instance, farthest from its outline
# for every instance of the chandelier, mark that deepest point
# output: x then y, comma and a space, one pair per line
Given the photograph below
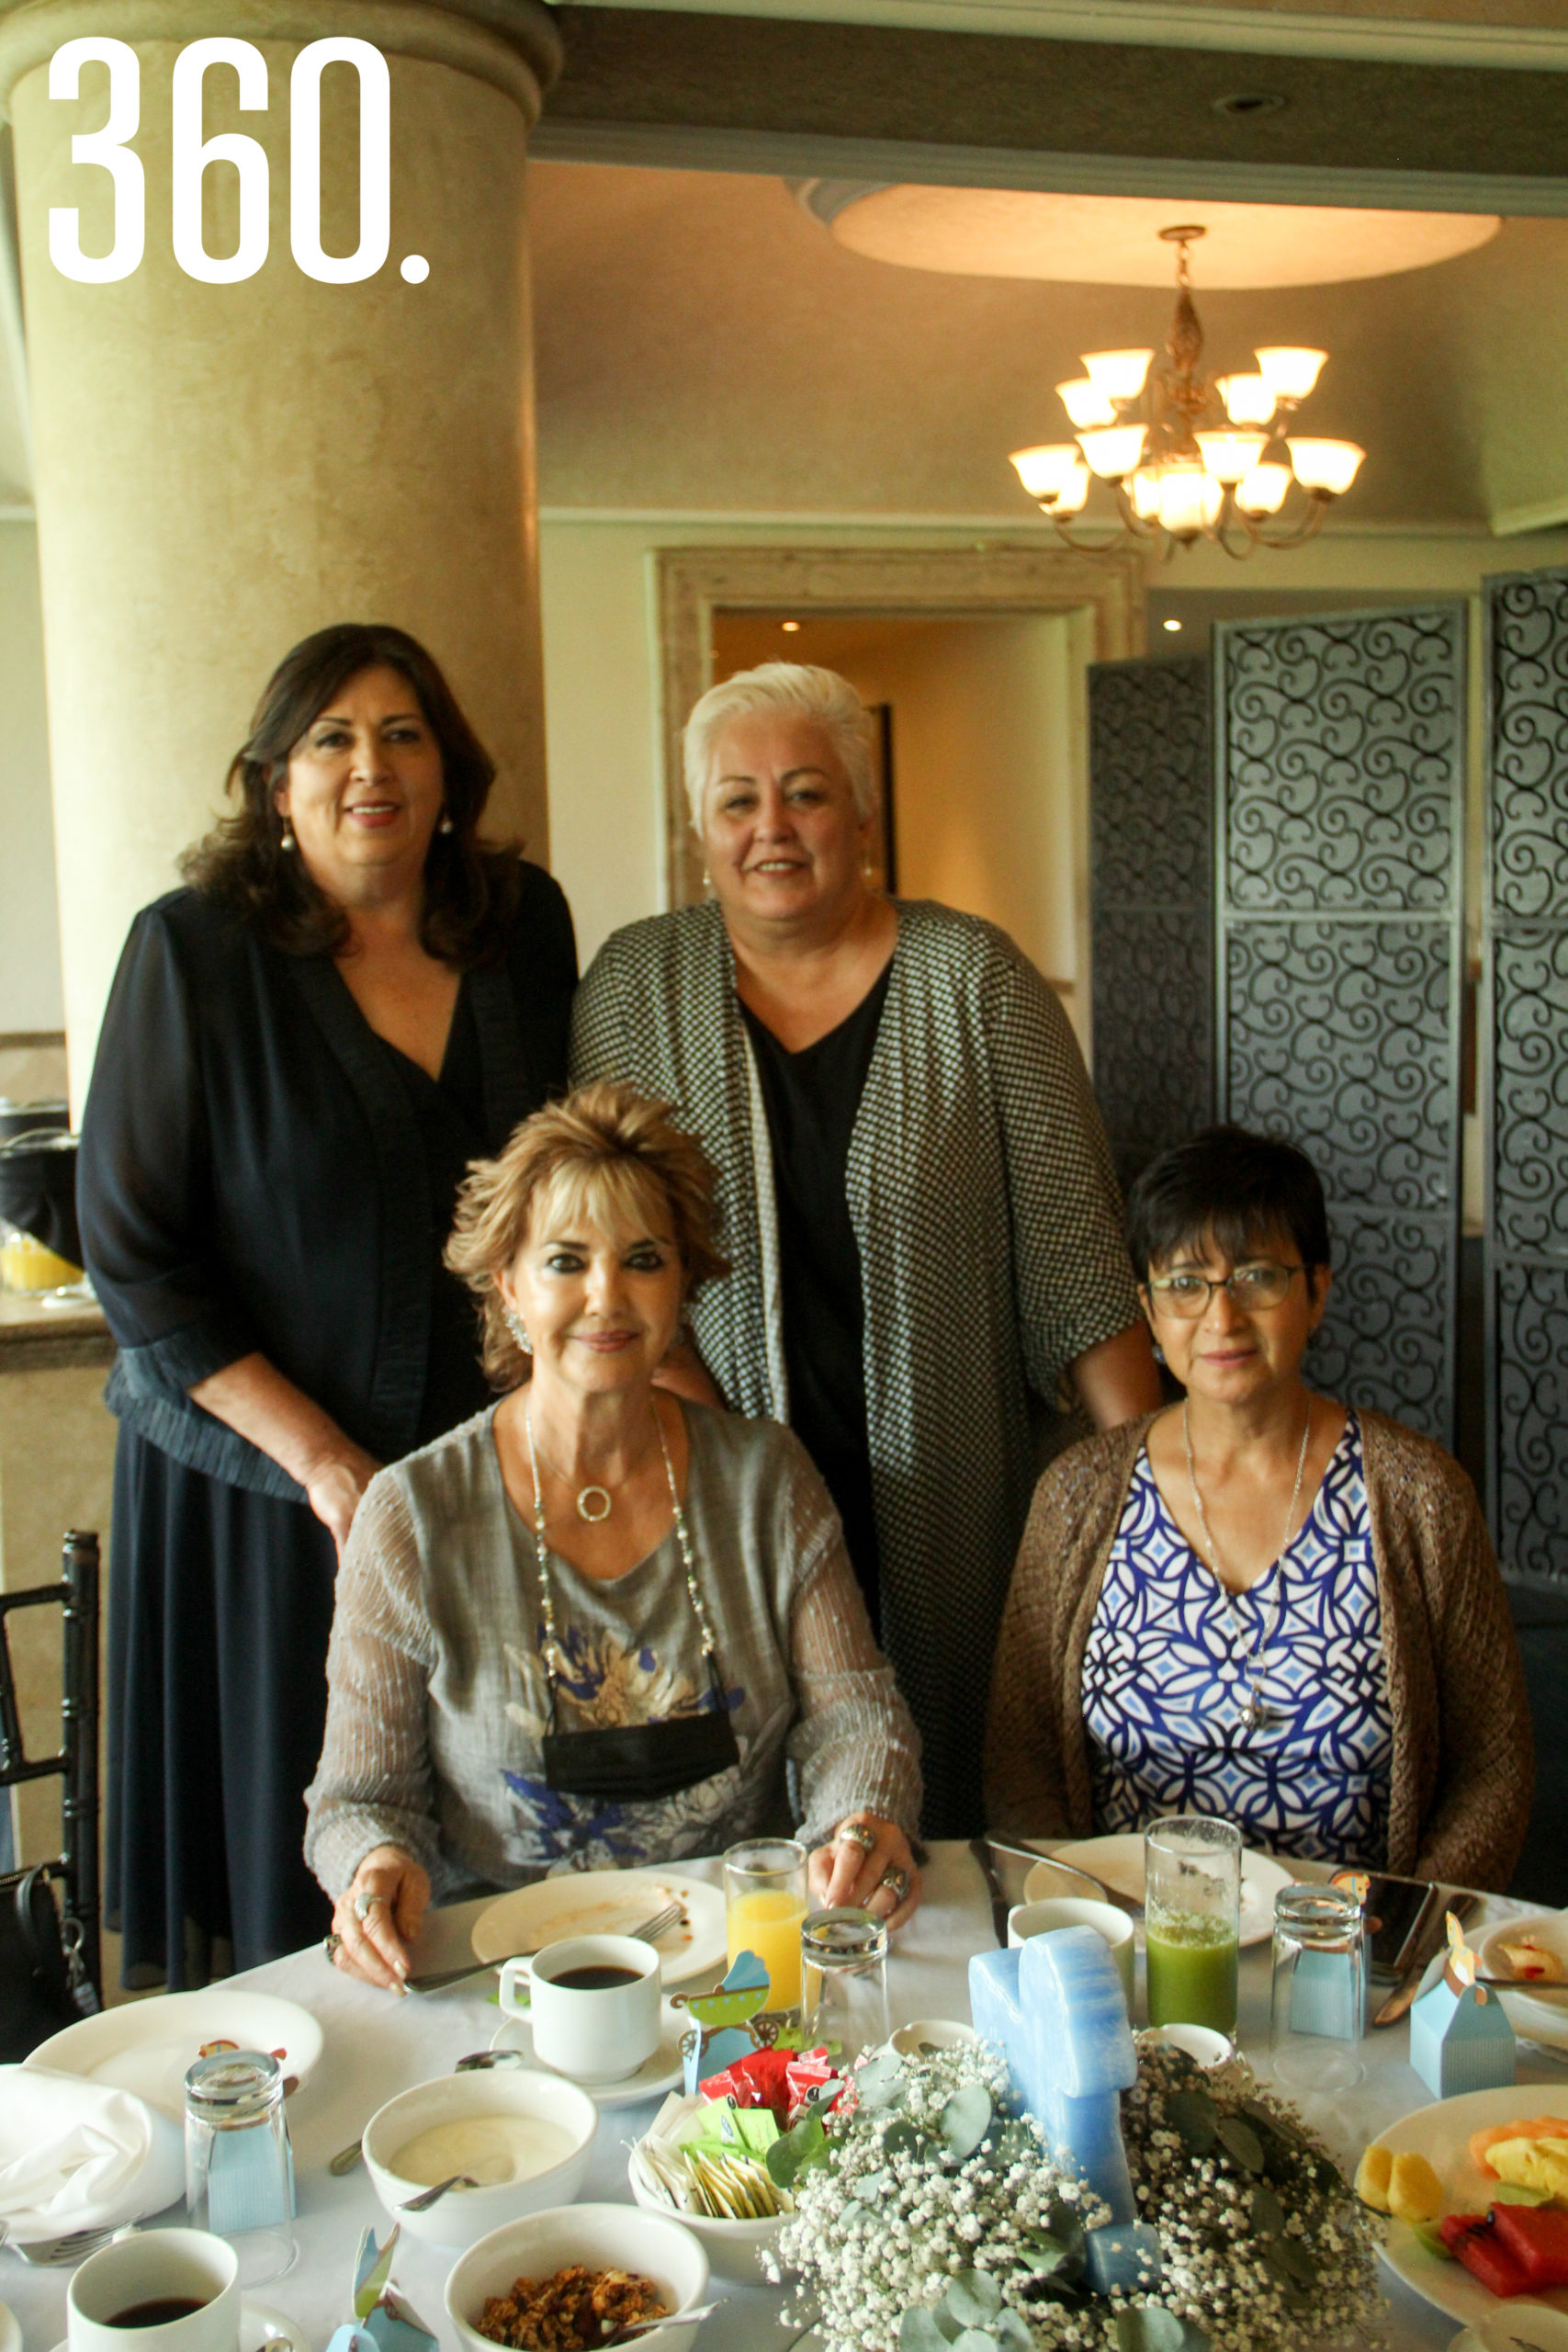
1189, 455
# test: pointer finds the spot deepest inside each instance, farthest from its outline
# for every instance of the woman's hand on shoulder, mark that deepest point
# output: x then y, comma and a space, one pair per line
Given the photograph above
333, 1488
685, 1374
379, 1915
868, 1862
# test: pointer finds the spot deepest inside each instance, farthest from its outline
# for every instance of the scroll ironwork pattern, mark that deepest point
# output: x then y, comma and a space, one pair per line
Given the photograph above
1341, 745
1151, 841
1526, 1241
1340, 778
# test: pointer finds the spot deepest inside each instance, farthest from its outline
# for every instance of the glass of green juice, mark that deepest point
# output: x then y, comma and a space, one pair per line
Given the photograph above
1192, 1920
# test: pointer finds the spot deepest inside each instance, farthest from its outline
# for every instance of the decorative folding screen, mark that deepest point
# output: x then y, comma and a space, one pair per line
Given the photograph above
1151, 901
1526, 1221
1340, 751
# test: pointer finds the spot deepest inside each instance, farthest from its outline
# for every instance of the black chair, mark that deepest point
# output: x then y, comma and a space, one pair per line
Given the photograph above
25, 1895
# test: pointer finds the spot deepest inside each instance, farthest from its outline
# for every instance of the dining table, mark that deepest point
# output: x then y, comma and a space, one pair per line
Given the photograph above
376, 2044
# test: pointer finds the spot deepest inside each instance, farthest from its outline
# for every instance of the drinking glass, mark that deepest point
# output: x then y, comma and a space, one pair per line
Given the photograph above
764, 1903
1318, 2005
844, 1966
1192, 1921
239, 2165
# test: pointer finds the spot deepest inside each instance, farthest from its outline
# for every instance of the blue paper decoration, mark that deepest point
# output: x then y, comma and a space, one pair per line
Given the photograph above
1460, 2039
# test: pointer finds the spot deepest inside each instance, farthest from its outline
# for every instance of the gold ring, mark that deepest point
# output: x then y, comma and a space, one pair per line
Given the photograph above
855, 1832
896, 1882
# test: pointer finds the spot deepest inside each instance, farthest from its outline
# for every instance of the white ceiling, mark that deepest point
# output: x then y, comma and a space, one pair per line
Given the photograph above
702, 343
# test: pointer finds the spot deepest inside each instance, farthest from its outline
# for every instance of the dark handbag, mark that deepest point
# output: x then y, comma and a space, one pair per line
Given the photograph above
39, 1990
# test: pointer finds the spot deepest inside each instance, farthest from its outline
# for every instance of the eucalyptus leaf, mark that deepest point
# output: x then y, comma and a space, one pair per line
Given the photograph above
975, 2339
881, 2082
790, 2155
918, 2332
873, 2187
1011, 2331
903, 2138
1263, 2119
1195, 2117
1288, 2258
1240, 2141
1267, 2214
974, 2297
1149, 2327
967, 2118
1046, 2254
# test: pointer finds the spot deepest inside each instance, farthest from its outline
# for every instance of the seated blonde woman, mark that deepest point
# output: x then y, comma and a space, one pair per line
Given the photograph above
597, 1624
1259, 1603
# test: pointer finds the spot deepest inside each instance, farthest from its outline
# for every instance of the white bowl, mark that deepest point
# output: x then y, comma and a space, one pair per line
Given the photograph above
935, 2033
1201, 2042
604, 2237
464, 2215
733, 2249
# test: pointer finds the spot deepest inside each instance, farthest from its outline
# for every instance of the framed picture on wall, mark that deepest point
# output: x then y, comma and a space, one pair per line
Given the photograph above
884, 839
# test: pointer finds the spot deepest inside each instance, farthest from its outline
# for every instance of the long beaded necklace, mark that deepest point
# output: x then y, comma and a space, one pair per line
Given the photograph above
1256, 1664
555, 1660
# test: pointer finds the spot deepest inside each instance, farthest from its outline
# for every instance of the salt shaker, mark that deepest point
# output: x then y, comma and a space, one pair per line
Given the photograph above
239, 2165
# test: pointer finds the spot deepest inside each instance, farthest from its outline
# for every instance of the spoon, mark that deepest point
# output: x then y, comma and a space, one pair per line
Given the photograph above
638, 2327
479, 2062
428, 2197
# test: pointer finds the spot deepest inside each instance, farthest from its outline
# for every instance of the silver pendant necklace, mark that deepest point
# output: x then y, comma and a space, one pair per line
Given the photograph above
1256, 1664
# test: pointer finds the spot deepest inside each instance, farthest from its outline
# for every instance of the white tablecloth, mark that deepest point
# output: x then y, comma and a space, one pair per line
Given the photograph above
376, 2045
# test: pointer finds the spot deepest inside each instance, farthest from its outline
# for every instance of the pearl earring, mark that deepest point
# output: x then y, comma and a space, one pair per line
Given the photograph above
287, 839
445, 826
515, 1325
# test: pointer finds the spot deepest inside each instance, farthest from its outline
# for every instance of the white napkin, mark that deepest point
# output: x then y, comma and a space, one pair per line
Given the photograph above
77, 2155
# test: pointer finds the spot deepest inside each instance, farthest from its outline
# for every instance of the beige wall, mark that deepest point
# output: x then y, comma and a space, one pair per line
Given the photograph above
31, 995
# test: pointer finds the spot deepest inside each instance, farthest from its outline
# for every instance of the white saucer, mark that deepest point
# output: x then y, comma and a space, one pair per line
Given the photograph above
260, 2327
660, 2073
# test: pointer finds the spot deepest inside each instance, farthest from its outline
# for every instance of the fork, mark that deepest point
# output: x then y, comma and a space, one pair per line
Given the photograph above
50, 2254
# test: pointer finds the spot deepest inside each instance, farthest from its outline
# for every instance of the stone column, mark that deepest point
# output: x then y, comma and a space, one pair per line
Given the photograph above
222, 468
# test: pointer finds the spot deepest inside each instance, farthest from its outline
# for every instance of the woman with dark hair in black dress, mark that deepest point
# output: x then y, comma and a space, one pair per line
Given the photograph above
353, 996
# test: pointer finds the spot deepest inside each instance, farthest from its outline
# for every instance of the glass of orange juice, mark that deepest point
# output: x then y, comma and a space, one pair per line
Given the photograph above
764, 1903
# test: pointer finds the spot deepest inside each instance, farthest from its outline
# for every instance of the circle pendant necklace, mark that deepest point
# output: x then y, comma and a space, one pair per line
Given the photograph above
594, 1503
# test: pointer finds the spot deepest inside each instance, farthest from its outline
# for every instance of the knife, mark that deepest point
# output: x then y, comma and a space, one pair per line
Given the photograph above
1429, 1940
1000, 1906
1094, 1888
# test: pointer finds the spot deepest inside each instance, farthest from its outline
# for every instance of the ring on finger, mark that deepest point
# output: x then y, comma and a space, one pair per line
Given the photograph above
365, 1903
896, 1882
856, 1833
332, 1946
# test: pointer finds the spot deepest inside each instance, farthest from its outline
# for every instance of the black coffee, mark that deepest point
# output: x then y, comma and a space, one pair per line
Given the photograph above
595, 1979
158, 2313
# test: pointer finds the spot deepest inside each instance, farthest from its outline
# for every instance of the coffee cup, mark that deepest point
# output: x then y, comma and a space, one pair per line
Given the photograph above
1026, 1920
594, 2003
164, 2291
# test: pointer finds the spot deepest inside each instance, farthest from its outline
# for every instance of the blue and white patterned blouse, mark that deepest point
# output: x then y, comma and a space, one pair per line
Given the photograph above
1164, 1685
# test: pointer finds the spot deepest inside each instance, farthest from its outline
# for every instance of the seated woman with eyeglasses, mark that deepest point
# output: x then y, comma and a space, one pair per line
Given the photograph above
1259, 1603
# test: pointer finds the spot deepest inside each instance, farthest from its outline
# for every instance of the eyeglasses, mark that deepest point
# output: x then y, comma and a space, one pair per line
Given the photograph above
1187, 1295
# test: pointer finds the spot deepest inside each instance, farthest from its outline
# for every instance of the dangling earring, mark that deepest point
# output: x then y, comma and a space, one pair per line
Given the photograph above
445, 826
286, 838
1159, 1352
515, 1325
707, 880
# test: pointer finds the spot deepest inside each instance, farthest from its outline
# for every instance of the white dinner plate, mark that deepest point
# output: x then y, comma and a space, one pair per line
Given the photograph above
10, 2333
1118, 1863
1518, 2325
148, 2046
609, 1903
1441, 2133
1535, 2014
656, 2075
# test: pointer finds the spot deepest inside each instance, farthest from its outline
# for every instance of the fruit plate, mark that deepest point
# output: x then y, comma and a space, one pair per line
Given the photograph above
1535, 2013
1118, 1863
609, 1903
1441, 2133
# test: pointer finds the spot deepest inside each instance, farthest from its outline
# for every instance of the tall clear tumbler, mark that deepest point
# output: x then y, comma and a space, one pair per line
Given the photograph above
1319, 2007
1192, 1920
843, 1967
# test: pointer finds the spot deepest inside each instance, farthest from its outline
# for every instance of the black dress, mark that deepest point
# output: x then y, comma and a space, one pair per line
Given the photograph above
811, 1099
260, 1172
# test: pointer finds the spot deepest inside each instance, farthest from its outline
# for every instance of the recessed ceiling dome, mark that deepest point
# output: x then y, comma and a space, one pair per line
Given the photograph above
1114, 240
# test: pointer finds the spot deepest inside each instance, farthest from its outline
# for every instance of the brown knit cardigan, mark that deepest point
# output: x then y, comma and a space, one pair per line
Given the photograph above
1463, 1754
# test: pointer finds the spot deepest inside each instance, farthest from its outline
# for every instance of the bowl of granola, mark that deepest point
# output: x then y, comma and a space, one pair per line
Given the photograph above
563, 2280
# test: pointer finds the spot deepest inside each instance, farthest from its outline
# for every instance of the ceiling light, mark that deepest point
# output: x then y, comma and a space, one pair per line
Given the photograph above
1187, 456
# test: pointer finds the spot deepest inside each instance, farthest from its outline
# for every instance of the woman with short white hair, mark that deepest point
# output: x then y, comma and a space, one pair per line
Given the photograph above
918, 1198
